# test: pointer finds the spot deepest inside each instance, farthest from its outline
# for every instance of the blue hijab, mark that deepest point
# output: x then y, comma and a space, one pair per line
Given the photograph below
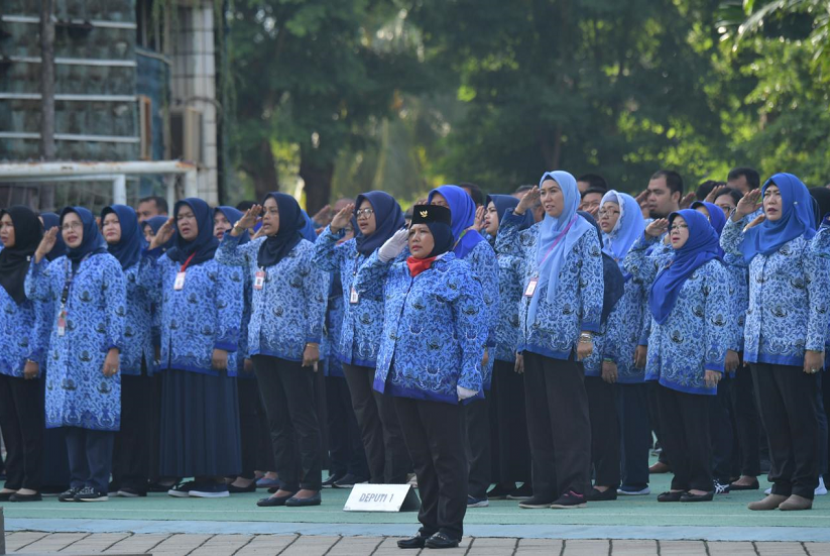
292, 220
92, 243
204, 245
557, 237
716, 216
309, 230
388, 220
128, 248
155, 223
613, 280
463, 210
628, 229
233, 215
701, 247
50, 220
797, 219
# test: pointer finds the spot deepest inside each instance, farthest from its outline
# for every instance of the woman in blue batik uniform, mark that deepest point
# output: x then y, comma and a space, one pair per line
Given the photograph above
785, 331
201, 311
21, 358
560, 311
690, 333
83, 387
507, 402
622, 224
378, 216
471, 246
131, 465
430, 355
284, 335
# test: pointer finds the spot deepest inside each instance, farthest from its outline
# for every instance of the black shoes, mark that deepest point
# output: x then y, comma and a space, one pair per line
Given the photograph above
501, 491
601, 496
669, 496
348, 481
522, 493
295, 502
413, 542
536, 503
89, 494
130, 492
752, 486
440, 540
333, 479
69, 495
238, 490
571, 500
689, 497
36, 497
273, 501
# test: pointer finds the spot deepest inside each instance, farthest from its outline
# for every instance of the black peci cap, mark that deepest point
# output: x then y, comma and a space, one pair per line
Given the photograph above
427, 214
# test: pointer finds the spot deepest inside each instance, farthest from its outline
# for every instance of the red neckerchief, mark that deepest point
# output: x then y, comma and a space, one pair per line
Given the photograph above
417, 266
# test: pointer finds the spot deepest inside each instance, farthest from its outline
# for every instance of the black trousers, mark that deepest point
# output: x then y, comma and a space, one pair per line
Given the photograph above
477, 446
721, 432
131, 452
249, 424
434, 435
605, 431
686, 439
90, 457
379, 426
288, 390
786, 398
654, 419
507, 405
747, 422
22, 423
632, 402
345, 444
265, 448
154, 434
558, 424
821, 415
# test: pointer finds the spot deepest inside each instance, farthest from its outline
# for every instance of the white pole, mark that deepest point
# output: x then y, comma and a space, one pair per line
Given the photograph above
191, 186
119, 190
170, 182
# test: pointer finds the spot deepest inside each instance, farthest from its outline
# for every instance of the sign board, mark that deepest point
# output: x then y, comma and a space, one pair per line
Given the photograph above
382, 498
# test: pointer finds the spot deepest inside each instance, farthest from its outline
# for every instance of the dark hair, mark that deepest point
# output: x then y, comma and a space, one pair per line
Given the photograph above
673, 180
595, 181
593, 190
706, 187
751, 175
523, 188
161, 202
736, 194
475, 192
244, 205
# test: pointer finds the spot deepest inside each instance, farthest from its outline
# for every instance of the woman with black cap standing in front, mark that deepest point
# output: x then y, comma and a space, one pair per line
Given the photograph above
430, 355
21, 358
201, 311
83, 390
284, 335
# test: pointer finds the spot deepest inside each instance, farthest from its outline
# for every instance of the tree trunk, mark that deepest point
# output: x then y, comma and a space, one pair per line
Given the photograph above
264, 174
47, 96
317, 180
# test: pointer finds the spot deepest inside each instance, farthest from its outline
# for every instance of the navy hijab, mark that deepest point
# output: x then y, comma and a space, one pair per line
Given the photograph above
504, 202
14, 261
276, 247
128, 248
388, 220
204, 245
92, 243
463, 210
155, 223
51, 220
233, 215
701, 247
613, 279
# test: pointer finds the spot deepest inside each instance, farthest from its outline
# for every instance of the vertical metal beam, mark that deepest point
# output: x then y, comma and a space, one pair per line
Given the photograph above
119, 190
191, 184
170, 184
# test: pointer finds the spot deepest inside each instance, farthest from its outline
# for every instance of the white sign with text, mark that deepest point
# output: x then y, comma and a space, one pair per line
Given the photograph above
382, 498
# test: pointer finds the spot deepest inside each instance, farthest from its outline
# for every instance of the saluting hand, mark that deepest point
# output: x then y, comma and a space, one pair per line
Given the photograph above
714, 194
163, 235
687, 201
47, 243
747, 205
658, 227
478, 221
528, 201
341, 219
248, 220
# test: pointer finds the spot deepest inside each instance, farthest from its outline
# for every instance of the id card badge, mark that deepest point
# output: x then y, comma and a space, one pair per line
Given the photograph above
531, 287
354, 297
61, 325
179, 283
259, 279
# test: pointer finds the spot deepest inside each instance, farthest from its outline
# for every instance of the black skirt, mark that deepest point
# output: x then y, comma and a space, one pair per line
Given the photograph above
199, 425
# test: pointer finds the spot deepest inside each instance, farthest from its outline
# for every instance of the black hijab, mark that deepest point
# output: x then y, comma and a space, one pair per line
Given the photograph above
276, 247
92, 243
51, 220
614, 281
14, 261
388, 220
204, 245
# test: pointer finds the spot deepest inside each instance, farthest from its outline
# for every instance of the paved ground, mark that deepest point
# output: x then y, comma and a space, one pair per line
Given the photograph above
294, 545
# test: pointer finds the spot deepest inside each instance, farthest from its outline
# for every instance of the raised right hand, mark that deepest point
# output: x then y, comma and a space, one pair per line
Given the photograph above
528, 201
47, 243
747, 205
249, 219
657, 227
163, 235
342, 218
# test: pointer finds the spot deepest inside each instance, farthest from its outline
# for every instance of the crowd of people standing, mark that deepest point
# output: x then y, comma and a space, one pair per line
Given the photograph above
526, 346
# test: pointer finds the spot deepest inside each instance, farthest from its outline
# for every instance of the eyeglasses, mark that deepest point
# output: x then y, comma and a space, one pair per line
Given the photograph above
678, 227
72, 226
603, 213
364, 213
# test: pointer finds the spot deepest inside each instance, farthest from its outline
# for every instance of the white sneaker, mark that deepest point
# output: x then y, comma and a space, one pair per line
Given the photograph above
768, 491
630, 492
821, 490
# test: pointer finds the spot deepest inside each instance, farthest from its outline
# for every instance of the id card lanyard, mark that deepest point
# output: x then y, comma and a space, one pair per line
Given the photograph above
531, 285
178, 285
62, 314
354, 297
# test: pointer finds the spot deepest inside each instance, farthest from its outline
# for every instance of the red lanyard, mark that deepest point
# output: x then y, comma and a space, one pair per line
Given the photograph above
187, 262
